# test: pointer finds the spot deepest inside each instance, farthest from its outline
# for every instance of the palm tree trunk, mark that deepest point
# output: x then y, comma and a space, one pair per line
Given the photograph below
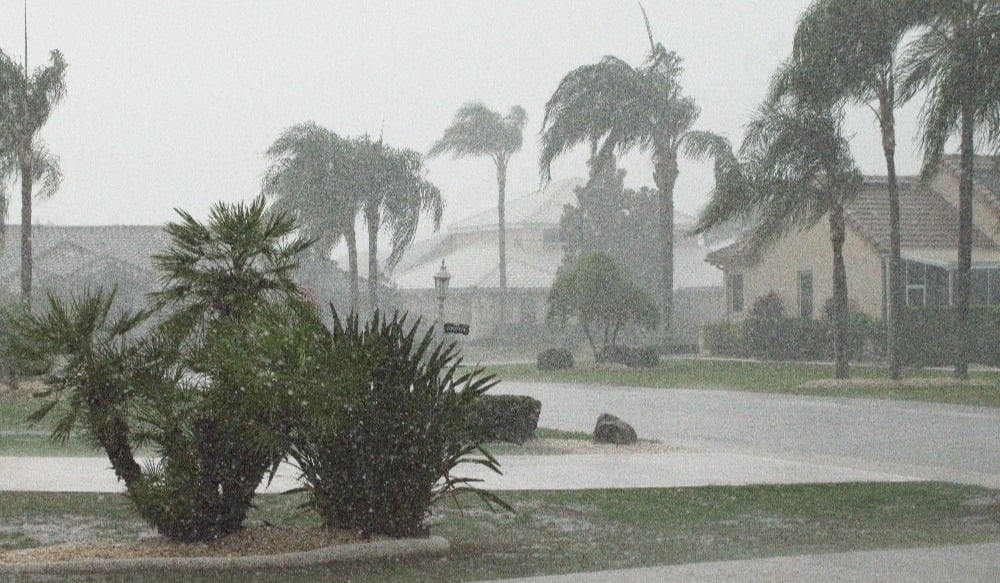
502, 236
962, 296
840, 324
665, 173
372, 221
351, 236
27, 177
894, 330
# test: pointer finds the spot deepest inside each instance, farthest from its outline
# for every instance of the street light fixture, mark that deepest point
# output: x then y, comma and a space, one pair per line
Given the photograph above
441, 279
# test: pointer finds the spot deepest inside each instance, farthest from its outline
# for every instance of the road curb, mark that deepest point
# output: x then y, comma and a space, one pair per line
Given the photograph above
377, 549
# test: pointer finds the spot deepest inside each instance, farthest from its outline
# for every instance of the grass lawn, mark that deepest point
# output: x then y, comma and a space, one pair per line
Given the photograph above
560, 532
772, 377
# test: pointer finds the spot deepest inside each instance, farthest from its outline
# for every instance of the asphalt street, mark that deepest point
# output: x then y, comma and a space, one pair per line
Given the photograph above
933, 441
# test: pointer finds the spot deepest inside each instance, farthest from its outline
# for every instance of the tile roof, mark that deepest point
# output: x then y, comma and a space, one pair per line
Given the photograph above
927, 221
985, 174
475, 266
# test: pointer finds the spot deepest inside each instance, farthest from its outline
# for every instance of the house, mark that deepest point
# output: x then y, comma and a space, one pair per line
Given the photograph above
69, 259
534, 254
799, 266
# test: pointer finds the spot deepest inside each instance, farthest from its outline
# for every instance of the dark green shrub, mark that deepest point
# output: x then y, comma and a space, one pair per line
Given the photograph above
787, 338
555, 359
630, 356
724, 338
510, 418
768, 305
378, 452
932, 336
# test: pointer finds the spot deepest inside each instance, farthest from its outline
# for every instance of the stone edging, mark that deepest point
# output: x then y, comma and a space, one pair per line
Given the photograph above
377, 549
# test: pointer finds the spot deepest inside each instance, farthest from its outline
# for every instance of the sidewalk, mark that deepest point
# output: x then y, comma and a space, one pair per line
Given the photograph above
934, 565
520, 472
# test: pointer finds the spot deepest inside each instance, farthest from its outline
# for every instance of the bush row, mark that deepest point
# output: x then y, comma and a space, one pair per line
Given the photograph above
783, 338
931, 334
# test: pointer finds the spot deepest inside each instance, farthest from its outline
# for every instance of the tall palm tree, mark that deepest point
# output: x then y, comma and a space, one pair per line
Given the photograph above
794, 166
27, 102
310, 177
954, 59
615, 107
479, 131
852, 47
394, 194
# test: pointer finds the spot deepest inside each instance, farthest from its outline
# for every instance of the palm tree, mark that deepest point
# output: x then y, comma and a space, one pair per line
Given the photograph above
479, 131
615, 107
852, 46
310, 178
394, 194
28, 101
794, 166
954, 60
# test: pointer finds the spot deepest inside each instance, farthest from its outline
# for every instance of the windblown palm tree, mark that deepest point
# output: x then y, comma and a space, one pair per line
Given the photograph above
794, 166
954, 60
851, 47
615, 107
25, 104
310, 178
479, 131
394, 194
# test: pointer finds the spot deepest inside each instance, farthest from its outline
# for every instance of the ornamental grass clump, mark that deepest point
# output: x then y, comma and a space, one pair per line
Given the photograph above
375, 456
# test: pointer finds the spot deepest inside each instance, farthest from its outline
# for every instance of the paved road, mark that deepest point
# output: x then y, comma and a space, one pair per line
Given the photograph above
956, 563
933, 441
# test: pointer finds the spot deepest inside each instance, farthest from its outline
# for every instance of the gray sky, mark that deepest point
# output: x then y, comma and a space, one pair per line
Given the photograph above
172, 104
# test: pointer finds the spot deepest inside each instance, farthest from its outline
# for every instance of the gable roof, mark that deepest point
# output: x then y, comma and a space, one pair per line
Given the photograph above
927, 221
985, 174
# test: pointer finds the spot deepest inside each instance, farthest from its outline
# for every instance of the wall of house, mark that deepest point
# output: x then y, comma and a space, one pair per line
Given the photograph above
810, 250
476, 307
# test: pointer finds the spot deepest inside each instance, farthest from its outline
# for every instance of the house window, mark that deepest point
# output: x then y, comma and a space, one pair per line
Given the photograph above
806, 294
736, 292
916, 284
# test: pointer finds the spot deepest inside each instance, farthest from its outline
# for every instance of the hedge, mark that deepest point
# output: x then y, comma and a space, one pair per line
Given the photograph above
931, 335
510, 418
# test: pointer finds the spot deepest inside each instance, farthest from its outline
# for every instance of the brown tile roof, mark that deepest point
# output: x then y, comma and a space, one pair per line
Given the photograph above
985, 174
926, 219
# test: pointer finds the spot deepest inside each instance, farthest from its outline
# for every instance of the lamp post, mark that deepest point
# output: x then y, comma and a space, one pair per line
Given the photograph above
441, 279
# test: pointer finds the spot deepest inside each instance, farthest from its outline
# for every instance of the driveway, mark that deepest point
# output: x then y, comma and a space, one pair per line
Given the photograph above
954, 443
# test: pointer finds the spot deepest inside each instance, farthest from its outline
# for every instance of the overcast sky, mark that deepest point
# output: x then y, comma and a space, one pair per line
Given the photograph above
172, 104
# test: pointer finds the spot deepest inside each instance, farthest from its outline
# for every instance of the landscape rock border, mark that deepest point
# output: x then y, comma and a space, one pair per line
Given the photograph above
376, 549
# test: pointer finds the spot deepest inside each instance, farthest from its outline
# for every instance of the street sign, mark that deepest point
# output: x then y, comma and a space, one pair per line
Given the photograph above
456, 328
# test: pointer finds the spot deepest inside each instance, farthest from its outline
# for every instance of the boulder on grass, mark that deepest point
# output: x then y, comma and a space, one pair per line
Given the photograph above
611, 429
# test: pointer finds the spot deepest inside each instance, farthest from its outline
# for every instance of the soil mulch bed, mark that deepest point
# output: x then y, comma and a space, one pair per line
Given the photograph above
264, 540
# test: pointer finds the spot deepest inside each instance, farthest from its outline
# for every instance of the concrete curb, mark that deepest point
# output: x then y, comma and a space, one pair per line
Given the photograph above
378, 549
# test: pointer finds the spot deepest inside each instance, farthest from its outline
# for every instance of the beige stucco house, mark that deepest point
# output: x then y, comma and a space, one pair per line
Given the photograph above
799, 266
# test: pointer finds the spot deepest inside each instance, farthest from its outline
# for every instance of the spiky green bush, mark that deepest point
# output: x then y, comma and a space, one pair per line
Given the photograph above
382, 448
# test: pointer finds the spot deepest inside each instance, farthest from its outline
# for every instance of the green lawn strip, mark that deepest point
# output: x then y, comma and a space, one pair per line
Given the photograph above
571, 531
770, 377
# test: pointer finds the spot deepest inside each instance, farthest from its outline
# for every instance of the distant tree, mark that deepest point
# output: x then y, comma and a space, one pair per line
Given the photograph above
479, 131
310, 178
852, 47
794, 167
954, 59
602, 298
615, 107
394, 193
25, 104
617, 221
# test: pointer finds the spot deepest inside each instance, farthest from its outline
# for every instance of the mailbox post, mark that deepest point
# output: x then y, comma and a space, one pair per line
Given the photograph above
441, 279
